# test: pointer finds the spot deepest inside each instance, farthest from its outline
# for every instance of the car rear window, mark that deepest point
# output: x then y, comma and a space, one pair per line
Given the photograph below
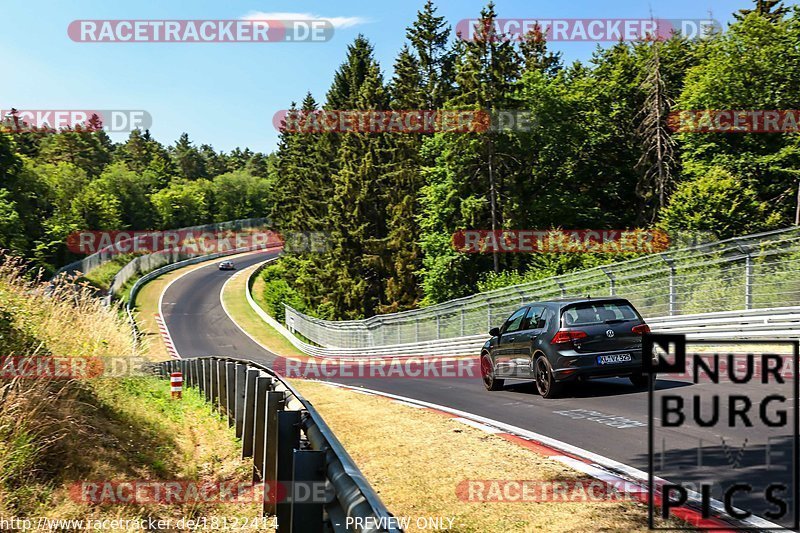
597, 313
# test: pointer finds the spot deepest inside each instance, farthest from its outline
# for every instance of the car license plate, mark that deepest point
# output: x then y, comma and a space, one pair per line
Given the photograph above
612, 359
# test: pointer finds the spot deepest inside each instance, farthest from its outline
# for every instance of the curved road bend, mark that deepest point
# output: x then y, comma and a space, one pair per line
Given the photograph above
199, 326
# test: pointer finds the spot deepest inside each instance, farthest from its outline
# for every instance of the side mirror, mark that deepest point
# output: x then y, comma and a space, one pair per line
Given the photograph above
494, 332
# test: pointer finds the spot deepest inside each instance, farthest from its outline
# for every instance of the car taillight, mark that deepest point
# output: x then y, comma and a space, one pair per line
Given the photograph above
568, 335
641, 329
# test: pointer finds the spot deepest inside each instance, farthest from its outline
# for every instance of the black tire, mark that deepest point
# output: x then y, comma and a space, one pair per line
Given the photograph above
546, 384
641, 381
491, 382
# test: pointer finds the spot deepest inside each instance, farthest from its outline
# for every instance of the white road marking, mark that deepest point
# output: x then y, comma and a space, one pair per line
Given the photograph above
614, 421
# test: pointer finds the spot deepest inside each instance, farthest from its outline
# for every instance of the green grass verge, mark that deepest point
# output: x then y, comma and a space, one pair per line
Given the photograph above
102, 276
240, 311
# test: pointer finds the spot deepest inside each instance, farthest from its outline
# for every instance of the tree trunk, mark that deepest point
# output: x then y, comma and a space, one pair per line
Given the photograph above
797, 212
493, 200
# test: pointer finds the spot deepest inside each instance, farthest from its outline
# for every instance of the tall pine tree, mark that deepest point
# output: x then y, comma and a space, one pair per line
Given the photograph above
429, 36
404, 181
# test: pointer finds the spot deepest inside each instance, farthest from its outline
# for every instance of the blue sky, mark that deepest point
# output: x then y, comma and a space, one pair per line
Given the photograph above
226, 94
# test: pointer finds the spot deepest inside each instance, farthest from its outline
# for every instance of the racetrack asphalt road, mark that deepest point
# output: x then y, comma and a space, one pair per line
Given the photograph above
608, 417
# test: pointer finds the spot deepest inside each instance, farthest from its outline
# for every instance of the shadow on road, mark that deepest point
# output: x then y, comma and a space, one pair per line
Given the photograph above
597, 388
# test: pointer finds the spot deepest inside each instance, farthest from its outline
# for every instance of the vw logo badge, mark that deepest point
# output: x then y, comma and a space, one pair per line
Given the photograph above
610, 333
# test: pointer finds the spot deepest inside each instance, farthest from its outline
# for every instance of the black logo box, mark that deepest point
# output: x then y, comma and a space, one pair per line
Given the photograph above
678, 366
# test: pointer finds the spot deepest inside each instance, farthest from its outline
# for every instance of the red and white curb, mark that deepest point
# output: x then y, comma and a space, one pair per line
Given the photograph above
631, 481
162, 328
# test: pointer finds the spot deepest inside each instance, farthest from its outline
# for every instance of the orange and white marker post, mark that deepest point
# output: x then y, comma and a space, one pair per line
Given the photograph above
176, 384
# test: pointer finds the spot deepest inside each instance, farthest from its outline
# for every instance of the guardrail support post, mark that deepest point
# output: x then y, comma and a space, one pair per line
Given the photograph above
673, 288
214, 372
288, 442
259, 426
184, 367
438, 327
222, 388
562, 288
187, 374
230, 403
275, 403
207, 379
248, 429
462, 321
748, 282
197, 372
240, 374
673, 291
309, 467
612, 281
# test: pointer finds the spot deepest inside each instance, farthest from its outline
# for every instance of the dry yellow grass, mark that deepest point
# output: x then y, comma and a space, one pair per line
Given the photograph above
55, 433
416, 458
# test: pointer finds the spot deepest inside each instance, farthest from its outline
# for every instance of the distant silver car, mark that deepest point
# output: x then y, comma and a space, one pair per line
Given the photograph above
227, 265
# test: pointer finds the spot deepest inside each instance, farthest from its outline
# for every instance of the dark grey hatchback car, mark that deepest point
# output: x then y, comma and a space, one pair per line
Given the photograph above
568, 340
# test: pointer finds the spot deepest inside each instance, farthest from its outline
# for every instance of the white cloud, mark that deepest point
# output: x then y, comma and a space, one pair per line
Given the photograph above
338, 22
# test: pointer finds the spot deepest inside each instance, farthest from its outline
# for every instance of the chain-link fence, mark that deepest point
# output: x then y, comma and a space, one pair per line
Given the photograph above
752, 272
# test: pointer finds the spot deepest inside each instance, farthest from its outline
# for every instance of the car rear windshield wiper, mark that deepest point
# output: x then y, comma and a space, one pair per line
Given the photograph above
615, 321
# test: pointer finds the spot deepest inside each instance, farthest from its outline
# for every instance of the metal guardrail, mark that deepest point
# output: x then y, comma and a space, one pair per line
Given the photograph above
753, 272
779, 323
289, 443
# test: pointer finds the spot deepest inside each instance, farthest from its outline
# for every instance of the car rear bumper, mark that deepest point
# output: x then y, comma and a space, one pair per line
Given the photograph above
573, 366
